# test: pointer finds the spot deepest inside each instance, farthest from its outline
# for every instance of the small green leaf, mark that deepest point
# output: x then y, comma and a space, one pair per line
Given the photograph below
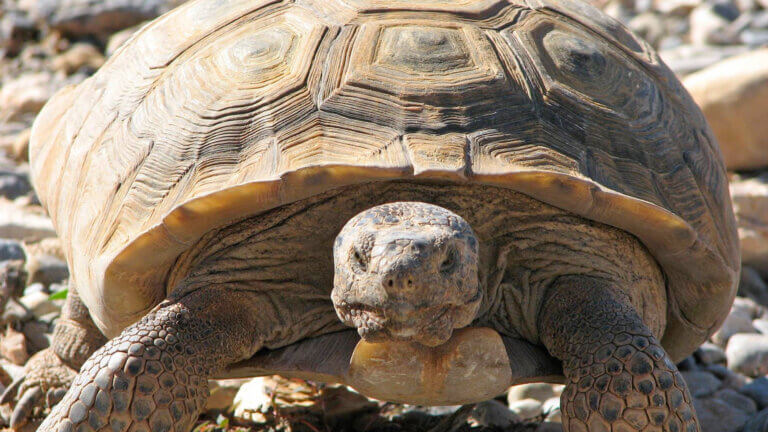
59, 295
222, 421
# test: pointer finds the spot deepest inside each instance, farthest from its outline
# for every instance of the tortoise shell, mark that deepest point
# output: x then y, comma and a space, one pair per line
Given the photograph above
223, 109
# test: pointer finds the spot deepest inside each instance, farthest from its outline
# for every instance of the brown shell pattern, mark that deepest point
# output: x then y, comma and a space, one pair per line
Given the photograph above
222, 109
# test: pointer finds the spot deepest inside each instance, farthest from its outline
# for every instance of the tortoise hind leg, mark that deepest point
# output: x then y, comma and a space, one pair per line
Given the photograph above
618, 376
153, 377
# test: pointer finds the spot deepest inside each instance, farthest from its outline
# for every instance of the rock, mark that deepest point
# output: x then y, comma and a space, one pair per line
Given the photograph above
21, 223
735, 323
13, 183
688, 364
701, 383
252, 401
81, 18
19, 150
119, 38
733, 94
15, 312
79, 56
752, 286
15, 28
25, 95
750, 205
758, 423
223, 393
685, 59
340, 402
46, 269
13, 346
727, 377
649, 26
761, 325
736, 400
39, 305
551, 409
718, 416
37, 335
538, 391
12, 371
758, 391
675, 7
550, 427
527, 409
709, 353
493, 413
709, 22
748, 354
11, 250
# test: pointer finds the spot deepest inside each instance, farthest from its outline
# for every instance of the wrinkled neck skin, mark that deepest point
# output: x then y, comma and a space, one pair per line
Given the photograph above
406, 271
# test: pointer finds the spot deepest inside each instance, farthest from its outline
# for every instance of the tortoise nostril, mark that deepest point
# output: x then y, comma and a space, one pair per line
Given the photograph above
390, 283
410, 282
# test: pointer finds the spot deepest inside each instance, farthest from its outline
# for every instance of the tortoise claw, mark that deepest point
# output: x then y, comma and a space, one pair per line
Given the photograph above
11, 390
23, 410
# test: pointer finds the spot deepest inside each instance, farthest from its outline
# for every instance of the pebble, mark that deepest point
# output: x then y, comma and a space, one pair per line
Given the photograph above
758, 423
11, 250
79, 56
13, 346
13, 183
37, 335
736, 400
752, 286
551, 410
527, 409
538, 391
716, 415
47, 270
252, 401
550, 427
735, 323
20, 223
709, 23
750, 205
38, 304
733, 94
709, 353
748, 354
761, 325
701, 383
493, 413
758, 391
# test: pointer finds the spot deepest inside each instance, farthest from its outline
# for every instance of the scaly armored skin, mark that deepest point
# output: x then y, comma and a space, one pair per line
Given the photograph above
521, 190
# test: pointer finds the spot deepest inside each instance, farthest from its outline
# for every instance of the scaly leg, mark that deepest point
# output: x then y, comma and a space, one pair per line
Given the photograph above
49, 373
153, 377
618, 377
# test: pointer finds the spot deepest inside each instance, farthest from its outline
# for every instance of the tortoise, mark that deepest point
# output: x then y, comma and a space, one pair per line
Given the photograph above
491, 192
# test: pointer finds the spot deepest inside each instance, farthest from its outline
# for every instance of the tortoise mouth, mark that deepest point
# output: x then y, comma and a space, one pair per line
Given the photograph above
429, 325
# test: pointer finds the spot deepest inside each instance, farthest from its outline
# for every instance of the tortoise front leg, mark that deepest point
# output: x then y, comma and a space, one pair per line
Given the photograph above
618, 377
153, 377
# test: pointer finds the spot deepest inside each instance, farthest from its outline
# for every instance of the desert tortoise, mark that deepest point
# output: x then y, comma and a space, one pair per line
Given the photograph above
491, 191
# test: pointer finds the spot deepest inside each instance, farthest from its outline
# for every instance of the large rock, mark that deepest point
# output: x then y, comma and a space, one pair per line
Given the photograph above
758, 391
748, 354
716, 415
758, 423
80, 18
734, 97
750, 204
20, 223
753, 286
25, 95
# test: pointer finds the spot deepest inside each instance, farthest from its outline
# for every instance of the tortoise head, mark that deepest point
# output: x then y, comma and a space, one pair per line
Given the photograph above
406, 271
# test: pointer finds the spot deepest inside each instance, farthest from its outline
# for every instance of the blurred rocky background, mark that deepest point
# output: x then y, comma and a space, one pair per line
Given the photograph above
718, 47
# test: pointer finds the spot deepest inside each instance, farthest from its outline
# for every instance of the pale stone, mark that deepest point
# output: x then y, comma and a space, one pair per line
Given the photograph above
733, 95
527, 409
750, 205
748, 354
539, 391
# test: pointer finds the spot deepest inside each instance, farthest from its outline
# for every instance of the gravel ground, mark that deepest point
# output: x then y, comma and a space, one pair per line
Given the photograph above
47, 44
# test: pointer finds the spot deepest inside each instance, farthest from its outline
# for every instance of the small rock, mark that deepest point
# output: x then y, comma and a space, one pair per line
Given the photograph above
14, 184
39, 304
709, 23
492, 413
758, 391
11, 250
19, 150
252, 401
675, 7
701, 383
685, 59
550, 427
20, 223
735, 323
736, 400
37, 336
750, 205
551, 409
340, 402
80, 55
761, 325
709, 353
12, 371
752, 286
748, 354
46, 269
13, 346
222, 393
15, 312
727, 377
538, 391
758, 423
718, 416
688, 364
527, 409
733, 95
25, 95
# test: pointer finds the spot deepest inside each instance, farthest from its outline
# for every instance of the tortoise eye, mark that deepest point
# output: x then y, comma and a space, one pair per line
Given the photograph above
359, 260
450, 260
